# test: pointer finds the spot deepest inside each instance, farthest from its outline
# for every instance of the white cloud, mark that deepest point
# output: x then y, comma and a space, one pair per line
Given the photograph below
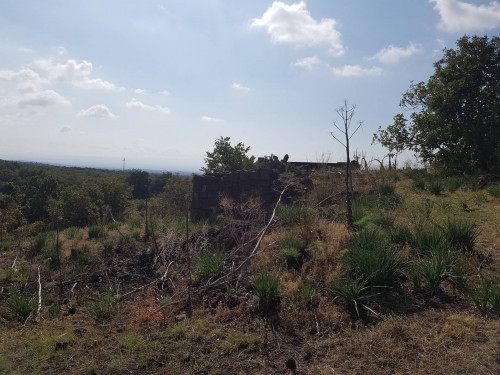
307, 62
97, 110
22, 75
239, 87
356, 71
164, 92
293, 24
96, 84
145, 107
459, 16
65, 129
45, 98
140, 91
393, 54
25, 50
211, 119
66, 71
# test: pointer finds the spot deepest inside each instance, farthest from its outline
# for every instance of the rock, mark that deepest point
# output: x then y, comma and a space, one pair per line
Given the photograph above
180, 317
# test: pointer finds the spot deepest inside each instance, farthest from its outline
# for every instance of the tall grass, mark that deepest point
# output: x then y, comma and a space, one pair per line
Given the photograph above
21, 306
210, 264
460, 234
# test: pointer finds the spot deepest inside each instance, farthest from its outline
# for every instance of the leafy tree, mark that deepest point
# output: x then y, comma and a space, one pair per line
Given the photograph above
158, 182
177, 194
455, 121
395, 138
35, 196
227, 158
140, 182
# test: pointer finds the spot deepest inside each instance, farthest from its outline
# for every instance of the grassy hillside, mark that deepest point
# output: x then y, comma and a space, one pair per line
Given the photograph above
414, 290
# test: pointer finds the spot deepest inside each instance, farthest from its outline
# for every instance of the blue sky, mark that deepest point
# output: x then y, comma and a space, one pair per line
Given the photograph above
91, 82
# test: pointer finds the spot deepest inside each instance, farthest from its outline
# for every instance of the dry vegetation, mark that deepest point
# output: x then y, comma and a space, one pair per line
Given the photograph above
131, 306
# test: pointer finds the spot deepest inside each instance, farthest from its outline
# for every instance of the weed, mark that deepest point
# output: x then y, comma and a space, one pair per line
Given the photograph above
389, 201
291, 255
431, 242
352, 291
494, 191
114, 225
210, 264
452, 184
461, 234
308, 291
465, 206
486, 295
136, 235
21, 305
479, 198
436, 186
374, 218
96, 231
416, 273
52, 252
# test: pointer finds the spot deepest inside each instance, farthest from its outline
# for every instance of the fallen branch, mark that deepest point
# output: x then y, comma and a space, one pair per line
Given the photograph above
39, 297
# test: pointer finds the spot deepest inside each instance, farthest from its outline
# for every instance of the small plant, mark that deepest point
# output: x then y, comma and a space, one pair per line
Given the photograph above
400, 235
352, 291
21, 305
71, 232
479, 198
39, 243
436, 186
292, 256
386, 189
81, 256
291, 214
136, 235
266, 287
210, 264
53, 253
371, 259
486, 295
96, 231
465, 206
103, 309
308, 291
416, 273
431, 242
494, 191
418, 184
461, 234
114, 225
439, 269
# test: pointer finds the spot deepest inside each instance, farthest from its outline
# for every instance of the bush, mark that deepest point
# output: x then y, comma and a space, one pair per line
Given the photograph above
418, 184
266, 287
439, 269
96, 231
39, 243
71, 232
352, 291
292, 256
400, 235
372, 260
431, 242
486, 295
461, 234
210, 264
21, 306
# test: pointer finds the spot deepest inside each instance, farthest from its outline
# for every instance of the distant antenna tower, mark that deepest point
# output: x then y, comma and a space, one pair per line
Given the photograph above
124, 164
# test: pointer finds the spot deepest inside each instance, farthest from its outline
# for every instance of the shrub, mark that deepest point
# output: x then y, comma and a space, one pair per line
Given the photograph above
21, 306
210, 264
461, 234
436, 186
352, 291
292, 256
452, 184
486, 295
372, 260
96, 231
266, 287
39, 243
494, 191
52, 252
308, 291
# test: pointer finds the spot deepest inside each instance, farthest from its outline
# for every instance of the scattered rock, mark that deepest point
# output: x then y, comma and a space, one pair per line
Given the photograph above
180, 317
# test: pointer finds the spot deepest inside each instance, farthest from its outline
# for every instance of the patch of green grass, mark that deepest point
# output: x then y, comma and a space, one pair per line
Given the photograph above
401, 235
114, 225
53, 253
431, 242
386, 189
103, 309
439, 269
353, 291
308, 292
436, 186
38, 243
71, 232
418, 184
210, 264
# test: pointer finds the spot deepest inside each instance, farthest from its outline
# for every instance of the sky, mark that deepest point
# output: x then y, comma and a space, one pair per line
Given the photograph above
89, 83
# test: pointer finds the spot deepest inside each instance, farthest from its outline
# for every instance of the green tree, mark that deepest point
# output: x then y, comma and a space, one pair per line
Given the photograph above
395, 138
140, 181
455, 119
227, 158
177, 194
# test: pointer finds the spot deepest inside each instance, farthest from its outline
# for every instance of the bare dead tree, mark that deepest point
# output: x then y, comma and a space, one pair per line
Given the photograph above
346, 114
